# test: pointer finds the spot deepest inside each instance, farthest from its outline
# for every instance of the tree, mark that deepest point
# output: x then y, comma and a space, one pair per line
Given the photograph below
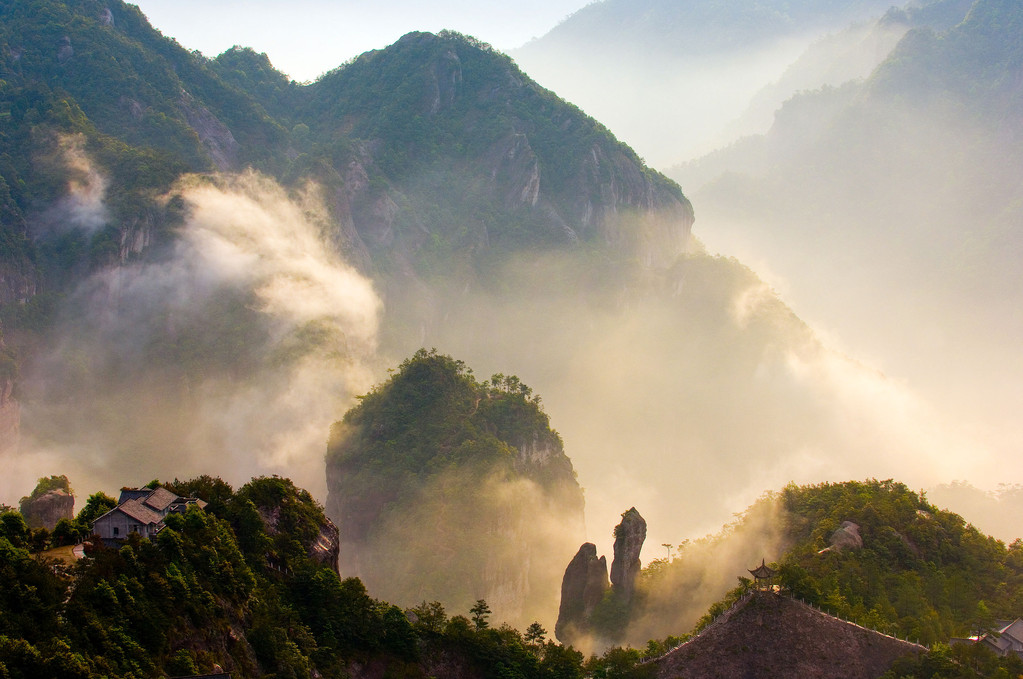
535, 633
429, 616
480, 612
97, 505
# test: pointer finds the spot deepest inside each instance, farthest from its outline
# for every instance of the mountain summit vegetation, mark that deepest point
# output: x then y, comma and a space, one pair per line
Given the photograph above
447, 487
235, 589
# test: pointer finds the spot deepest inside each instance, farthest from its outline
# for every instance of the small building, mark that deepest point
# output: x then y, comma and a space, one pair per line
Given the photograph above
1006, 638
763, 575
140, 510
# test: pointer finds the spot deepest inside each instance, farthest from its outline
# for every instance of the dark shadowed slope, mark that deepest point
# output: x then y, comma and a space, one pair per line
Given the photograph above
770, 635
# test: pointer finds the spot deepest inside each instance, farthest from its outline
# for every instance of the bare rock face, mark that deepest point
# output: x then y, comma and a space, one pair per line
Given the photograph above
846, 537
324, 549
214, 134
327, 545
582, 589
629, 537
47, 509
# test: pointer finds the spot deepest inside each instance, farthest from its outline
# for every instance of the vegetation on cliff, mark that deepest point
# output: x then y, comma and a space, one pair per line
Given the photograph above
236, 586
453, 488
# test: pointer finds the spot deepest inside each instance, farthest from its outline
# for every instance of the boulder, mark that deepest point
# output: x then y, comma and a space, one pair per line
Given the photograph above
846, 537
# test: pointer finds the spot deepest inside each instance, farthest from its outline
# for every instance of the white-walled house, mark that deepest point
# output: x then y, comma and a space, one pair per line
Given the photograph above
140, 510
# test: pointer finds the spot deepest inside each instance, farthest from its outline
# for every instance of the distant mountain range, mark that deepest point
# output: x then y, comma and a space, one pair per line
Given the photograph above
669, 77
899, 196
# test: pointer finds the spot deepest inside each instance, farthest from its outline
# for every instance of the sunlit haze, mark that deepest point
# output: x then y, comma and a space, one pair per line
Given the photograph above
724, 257
307, 38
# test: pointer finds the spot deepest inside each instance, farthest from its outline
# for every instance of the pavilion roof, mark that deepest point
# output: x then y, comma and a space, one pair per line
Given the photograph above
763, 571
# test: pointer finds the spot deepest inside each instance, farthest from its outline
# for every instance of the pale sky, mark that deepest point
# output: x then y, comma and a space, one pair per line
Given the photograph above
306, 38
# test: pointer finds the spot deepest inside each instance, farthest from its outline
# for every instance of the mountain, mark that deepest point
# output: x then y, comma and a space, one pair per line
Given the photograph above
428, 194
696, 27
453, 489
899, 196
835, 59
128, 158
668, 77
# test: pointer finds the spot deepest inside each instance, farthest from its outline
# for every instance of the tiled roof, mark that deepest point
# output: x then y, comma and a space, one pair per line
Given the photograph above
139, 512
160, 499
133, 494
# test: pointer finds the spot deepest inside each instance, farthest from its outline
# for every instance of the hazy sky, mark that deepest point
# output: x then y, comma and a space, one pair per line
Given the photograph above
308, 37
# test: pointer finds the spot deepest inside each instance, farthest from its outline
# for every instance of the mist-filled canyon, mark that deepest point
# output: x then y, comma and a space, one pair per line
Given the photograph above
211, 269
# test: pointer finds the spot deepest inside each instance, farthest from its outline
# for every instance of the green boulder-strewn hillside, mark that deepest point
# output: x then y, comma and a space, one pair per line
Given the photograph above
449, 488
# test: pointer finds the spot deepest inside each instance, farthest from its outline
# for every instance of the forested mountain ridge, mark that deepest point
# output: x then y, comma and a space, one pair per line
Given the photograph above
871, 552
235, 586
453, 488
234, 589
117, 146
150, 110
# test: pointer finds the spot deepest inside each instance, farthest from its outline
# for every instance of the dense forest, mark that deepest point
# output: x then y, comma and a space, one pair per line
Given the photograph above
240, 586
233, 588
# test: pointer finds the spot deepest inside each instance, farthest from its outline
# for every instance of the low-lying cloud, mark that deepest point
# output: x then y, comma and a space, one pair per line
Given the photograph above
230, 354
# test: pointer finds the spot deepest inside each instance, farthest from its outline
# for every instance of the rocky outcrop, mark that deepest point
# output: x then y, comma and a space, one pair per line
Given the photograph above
846, 537
629, 537
582, 588
327, 546
215, 136
47, 509
585, 583
429, 509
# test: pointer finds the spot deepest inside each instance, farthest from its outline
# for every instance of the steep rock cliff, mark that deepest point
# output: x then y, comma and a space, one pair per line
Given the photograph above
629, 537
582, 589
49, 502
585, 593
477, 159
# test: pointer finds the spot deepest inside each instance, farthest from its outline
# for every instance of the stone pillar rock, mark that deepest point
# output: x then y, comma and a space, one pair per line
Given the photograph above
629, 537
